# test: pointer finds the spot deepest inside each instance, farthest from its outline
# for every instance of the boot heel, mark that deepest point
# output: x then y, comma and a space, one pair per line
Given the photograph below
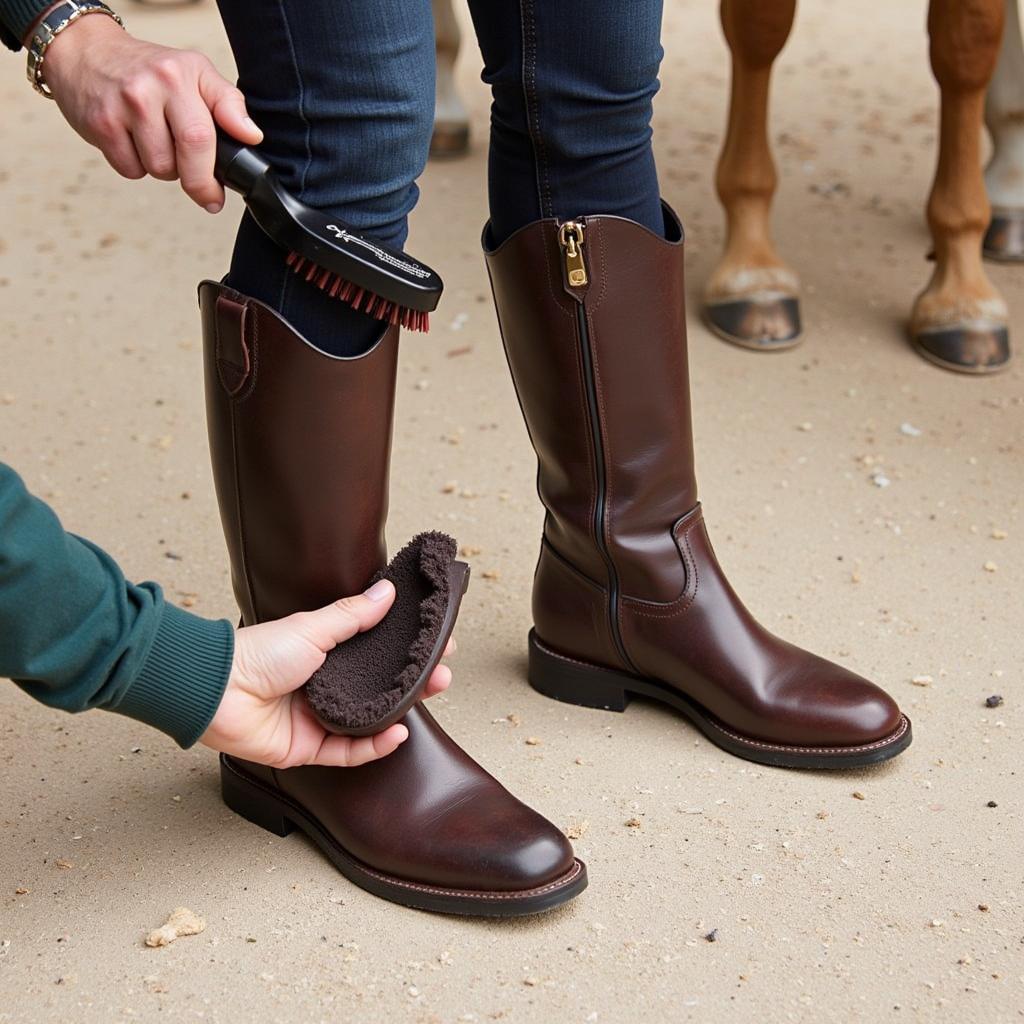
574, 682
251, 803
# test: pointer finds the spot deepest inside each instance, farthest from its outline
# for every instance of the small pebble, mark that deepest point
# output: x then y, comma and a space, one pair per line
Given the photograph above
922, 680
577, 829
994, 701
634, 823
181, 921
858, 795
532, 741
910, 430
991, 803
983, 907
990, 567
712, 936
999, 534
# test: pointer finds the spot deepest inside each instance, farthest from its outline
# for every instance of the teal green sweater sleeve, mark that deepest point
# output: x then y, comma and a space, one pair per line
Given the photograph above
75, 634
16, 17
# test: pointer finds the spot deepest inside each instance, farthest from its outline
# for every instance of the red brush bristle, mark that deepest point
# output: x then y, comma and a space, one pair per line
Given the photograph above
358, 298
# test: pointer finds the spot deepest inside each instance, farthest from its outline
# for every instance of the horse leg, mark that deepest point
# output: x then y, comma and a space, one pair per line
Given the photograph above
451, 122
1004, 176
751, 298
960, 321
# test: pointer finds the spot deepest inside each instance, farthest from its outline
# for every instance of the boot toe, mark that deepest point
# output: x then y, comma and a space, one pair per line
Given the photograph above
832, 706
511, 848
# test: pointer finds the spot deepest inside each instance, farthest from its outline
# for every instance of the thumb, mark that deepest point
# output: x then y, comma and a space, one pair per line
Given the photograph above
335, 623
227, 105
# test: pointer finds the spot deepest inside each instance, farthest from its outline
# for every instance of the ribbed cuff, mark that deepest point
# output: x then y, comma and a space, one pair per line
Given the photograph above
18, 15
183, 679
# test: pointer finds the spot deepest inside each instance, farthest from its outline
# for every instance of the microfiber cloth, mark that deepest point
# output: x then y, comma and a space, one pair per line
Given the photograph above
371, 680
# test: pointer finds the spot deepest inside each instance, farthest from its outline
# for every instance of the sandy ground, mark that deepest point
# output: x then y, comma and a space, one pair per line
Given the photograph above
903, 905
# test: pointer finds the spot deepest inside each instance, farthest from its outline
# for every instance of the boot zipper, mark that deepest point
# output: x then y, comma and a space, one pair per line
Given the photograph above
571, 239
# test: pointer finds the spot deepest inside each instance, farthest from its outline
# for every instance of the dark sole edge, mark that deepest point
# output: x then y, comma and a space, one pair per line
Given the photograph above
785, 345
458, 581
278, 813
576, 682
1007, 226
448, 141
969, 371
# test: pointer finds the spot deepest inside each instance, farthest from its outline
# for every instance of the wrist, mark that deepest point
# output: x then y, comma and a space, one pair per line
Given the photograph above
26, 39
47, 47
82, 36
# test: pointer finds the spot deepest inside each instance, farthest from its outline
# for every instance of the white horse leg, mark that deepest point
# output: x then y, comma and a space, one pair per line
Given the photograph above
451, 122
1004, 116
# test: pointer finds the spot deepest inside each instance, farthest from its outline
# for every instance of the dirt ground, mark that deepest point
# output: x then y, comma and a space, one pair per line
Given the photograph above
892, 894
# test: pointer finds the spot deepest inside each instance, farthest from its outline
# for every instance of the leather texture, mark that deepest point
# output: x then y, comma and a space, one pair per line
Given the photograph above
616, 473
300, 443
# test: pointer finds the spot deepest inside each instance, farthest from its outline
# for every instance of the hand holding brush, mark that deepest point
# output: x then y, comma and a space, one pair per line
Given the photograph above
155, 110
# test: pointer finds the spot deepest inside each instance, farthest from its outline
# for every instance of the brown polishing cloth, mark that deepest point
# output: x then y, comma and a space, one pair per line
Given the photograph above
363, 679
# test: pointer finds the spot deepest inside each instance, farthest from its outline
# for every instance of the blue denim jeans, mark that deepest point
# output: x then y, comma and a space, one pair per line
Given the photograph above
344, 91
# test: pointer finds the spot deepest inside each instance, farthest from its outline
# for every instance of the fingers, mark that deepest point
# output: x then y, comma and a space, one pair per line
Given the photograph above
439, 681
195, 147
227, 105
144, 100
338, 622
155, 146
119, 149
349, 751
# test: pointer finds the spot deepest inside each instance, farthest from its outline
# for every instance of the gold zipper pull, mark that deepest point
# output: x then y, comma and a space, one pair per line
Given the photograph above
570, 237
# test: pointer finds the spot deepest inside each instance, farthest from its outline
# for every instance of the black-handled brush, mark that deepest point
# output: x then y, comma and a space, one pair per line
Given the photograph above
346, 264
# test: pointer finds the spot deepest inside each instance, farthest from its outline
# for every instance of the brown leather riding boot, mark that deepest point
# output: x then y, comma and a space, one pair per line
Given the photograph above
628, 597
301, 444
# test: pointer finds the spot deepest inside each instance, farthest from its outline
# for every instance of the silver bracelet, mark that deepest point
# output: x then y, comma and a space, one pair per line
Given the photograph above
51, 26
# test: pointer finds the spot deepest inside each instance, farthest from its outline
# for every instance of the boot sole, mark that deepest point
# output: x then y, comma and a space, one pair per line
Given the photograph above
577, 682
274, 811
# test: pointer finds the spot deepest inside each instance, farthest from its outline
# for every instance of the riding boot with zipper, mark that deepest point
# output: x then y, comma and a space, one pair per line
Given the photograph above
301, 443
628, 596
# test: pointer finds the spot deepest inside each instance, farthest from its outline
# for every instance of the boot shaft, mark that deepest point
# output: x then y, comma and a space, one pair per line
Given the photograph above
592, 316
300, 443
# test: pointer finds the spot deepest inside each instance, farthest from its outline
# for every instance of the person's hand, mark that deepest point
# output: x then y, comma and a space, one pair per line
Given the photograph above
263, 715
150, 109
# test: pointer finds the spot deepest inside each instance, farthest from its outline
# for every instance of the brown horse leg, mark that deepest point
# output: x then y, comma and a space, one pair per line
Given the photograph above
960, 321
451, 122
751, 298
1004, 175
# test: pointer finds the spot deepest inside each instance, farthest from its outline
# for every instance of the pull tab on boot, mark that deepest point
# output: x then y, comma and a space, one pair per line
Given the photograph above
234, 363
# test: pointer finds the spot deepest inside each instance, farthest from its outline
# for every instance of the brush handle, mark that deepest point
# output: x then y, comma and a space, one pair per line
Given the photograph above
321, 239
237, 166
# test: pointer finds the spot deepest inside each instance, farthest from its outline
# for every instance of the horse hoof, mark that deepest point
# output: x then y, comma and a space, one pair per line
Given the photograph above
449, 140
1004, 240
765, 323
977, 347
